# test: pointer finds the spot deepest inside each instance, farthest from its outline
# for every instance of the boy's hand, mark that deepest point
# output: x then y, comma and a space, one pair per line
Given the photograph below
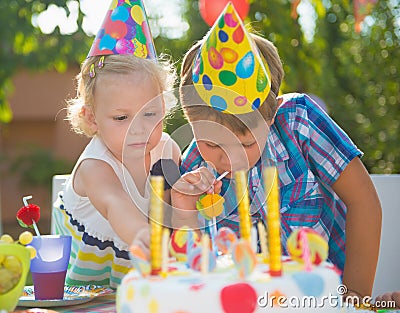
186, 191
390, 296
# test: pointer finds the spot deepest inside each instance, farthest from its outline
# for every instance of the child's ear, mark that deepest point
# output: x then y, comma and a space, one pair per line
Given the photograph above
88, 115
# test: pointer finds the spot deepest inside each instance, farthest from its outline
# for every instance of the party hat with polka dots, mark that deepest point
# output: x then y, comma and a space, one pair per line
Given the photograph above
229, 72
125, 30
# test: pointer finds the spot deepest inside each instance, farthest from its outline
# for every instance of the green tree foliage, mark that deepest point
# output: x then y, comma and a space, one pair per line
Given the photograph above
356, 74
24, 46
359, 79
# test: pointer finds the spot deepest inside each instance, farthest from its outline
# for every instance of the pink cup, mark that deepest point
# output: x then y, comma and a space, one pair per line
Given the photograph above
50, 265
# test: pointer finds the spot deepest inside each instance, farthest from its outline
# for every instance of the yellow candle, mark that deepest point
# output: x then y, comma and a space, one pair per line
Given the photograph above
273, 205
156, 222
242, 195
263, 241
164, 251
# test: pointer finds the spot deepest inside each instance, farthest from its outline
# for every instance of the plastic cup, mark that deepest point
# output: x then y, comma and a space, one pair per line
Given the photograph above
9, 300
50, 265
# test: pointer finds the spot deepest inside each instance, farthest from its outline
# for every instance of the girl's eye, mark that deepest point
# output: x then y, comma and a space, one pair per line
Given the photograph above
249, 145
212, 146
120, 118
150, 114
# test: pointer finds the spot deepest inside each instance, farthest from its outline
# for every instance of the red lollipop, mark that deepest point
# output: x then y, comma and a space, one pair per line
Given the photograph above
211, 9
29, 215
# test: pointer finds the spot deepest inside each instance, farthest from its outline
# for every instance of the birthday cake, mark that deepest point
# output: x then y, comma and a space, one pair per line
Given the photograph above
183, 288
222, 273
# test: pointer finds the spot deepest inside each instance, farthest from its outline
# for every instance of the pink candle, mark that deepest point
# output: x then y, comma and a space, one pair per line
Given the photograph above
306, 250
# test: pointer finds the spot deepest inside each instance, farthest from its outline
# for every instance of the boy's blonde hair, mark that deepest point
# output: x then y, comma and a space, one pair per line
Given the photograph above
161, 72
195, 109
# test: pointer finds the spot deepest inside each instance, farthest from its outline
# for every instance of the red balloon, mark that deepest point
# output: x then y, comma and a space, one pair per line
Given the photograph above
211, 9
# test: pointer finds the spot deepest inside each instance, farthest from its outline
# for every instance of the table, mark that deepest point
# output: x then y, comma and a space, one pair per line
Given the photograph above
101, 304
106, 304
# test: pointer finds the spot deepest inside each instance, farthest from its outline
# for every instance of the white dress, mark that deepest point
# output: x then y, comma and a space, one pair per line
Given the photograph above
98, 255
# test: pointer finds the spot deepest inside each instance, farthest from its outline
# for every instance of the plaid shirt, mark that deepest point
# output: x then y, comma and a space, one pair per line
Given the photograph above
310, 151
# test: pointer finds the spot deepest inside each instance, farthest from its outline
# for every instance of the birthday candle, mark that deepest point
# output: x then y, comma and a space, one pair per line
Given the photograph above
274, 237
164, 251
306, 250
205, 250
254, 242
263, 241
190, 241
156, 221
213, 234
242, 196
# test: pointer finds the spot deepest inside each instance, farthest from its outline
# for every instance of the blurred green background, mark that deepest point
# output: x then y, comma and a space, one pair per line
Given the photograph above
355, 73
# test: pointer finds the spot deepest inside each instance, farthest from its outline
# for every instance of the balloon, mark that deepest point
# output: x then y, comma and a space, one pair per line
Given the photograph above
211, 9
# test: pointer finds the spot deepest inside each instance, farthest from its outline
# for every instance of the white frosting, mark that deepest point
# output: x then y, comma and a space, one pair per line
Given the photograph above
184, 290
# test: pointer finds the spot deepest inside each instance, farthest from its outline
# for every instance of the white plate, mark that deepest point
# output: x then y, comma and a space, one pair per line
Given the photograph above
73, 295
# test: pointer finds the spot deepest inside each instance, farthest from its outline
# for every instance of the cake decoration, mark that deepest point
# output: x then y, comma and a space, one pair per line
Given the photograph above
306, 251
139, 260
210, 205
239, 298
225, 239
205, 254
164, 251
195, 260
318, 247
244, 258
242, 195
273, 221
178, 244
234, 280
156, 222
263, 241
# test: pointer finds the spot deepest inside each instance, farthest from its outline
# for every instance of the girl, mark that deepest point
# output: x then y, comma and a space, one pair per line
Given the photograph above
119, 104
323, 183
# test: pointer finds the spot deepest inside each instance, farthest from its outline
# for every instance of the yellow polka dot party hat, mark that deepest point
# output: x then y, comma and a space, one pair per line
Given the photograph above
125, 30
229, 72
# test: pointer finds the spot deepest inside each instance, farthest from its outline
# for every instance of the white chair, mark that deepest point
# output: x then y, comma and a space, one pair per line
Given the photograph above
58, 185
387, 276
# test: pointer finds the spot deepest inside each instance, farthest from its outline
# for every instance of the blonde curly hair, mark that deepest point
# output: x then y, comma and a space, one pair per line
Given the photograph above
162, 72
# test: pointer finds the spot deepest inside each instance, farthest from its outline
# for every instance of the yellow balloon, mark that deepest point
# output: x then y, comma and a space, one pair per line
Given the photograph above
137, 14
113, 5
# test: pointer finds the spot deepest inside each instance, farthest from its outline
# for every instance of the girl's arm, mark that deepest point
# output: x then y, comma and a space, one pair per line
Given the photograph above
363, 227
96, 180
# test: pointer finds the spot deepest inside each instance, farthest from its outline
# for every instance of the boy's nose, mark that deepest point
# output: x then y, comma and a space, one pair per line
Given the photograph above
237, 159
